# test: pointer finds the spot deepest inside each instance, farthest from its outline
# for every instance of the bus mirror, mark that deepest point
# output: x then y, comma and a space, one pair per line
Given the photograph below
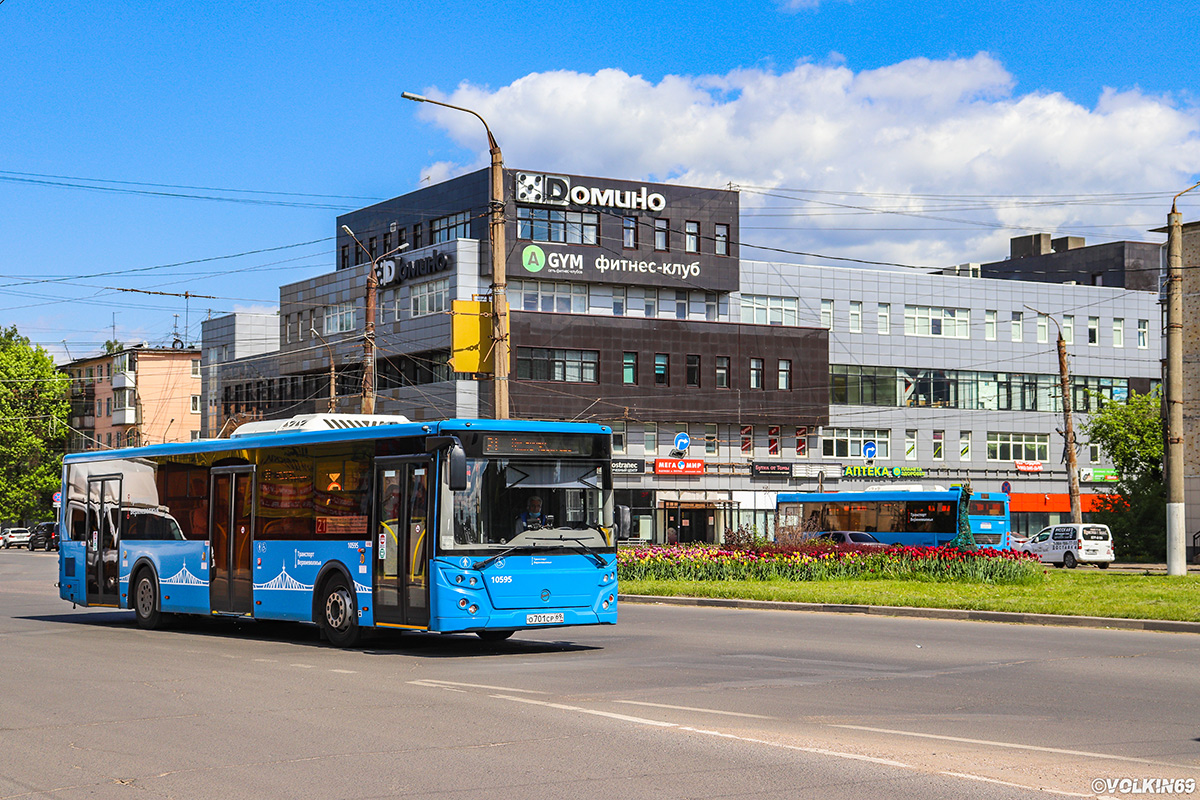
457, 459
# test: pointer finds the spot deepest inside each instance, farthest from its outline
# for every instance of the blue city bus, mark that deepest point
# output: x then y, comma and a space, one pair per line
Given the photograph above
351, 522
914, 518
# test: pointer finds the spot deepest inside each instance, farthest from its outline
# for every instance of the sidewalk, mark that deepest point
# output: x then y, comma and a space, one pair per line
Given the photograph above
1160, 625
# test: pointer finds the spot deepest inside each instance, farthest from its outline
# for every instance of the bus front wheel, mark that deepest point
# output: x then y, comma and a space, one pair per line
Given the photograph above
145, 601
339, 617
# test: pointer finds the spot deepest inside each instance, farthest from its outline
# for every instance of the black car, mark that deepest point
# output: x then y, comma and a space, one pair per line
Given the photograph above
44, 535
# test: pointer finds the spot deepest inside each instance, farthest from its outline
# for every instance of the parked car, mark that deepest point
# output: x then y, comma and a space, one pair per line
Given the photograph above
852, 537
44, 536
1072, 544
16, 537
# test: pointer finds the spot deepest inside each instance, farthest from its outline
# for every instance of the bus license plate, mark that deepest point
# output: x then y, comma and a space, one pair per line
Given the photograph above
543, 619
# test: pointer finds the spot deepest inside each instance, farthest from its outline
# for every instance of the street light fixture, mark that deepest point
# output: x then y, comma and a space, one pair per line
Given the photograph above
499, 284
368, 386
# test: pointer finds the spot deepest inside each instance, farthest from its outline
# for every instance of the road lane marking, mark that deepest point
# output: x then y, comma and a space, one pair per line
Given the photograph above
999, 782
432, 682
344, 671
689, 708
1010, 745
609, 714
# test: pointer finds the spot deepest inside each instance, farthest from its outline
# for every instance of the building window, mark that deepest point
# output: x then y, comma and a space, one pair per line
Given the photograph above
1094, 453
1018, 446
952, 323
195, 368
773, 437
989, 325
693, 370
910, 445
1093, 331
747, 440
345, 256
618, 438
722, 240
1143, 334
561, 298
827, 314
619, 301
662, 234
629, 369
939, 445
650, 302
387, 243
1068, 329
855, 316
339, 318
761, 309
711, 442
1018, 326
550, 364
848, 442
673, 302
371, 247
712, 306
662, 369
691, 237
107, 406
964, 446
756, 373
431, 297
629, 237
418, 236
445, 229
785, 374
722, 381
195, 404
885, 319
650, 438
1118, 333
802, 442
551, 225
1043, 329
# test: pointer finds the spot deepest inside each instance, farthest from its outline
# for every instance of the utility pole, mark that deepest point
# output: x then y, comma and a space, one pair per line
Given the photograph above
1176, 548
368, 384
332, 375
500, 326
1064, 380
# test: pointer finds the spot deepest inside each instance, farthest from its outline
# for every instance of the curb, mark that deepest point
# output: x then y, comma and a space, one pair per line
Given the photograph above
1019, 618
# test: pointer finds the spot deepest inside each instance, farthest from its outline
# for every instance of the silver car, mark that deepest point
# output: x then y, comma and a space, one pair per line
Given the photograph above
16, 537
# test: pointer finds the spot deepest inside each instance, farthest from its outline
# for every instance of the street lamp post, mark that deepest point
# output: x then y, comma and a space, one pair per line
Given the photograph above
332, 375
1176, 546
1064, 379
499, 283
368, 385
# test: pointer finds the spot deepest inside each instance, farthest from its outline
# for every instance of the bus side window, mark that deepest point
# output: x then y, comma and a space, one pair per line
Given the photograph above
78, 526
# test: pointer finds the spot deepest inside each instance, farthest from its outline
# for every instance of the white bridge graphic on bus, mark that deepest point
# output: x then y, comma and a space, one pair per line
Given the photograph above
183, 578
285, 582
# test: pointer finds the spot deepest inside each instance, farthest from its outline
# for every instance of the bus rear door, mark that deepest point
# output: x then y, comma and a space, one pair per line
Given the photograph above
103, 540
402, 487
231, 588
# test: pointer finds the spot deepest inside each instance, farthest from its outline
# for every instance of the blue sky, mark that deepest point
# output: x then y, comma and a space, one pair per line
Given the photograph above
1070, 117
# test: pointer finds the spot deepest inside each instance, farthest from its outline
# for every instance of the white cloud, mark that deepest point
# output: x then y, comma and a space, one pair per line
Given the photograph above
943, 150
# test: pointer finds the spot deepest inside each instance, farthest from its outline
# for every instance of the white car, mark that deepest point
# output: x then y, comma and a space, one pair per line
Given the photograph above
1071, 544
16, 537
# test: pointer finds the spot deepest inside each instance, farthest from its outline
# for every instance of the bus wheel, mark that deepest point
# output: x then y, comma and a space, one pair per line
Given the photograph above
494, 636
145, 601
339, 622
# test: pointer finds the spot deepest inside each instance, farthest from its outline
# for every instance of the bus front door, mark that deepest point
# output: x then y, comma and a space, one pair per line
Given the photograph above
230, 529
103, 540
401, 541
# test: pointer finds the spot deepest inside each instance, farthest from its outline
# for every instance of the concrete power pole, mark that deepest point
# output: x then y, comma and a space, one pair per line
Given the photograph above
1176, 548
1064, 377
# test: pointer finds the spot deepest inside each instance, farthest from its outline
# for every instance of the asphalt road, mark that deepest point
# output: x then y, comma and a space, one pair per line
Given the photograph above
673, 702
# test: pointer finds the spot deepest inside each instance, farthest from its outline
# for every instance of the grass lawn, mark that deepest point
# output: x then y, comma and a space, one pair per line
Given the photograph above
1084, 591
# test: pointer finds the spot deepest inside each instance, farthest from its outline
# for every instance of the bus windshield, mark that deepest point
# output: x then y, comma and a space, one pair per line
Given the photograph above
510, 502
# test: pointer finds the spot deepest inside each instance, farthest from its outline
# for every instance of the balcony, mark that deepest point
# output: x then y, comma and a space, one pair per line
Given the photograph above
124, 416
124, 380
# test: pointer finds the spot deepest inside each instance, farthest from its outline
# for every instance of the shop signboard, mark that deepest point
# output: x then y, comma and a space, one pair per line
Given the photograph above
1099, 475
1028, 466
679, 466
882, 472
770, 469
628, 466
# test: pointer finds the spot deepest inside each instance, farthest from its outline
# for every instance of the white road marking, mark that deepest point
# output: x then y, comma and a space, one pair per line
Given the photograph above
345, 671
302, 666
982, 779
689, 708
431, 682
1011, 745
609, 714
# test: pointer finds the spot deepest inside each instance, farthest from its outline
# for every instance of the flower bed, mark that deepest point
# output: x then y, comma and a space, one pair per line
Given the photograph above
813, 561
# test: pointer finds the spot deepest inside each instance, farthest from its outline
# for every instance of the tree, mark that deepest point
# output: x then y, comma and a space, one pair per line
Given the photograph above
1131, 435
34, 409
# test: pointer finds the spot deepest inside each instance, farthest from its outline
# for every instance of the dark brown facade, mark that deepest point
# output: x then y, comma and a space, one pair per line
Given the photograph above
806, 351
